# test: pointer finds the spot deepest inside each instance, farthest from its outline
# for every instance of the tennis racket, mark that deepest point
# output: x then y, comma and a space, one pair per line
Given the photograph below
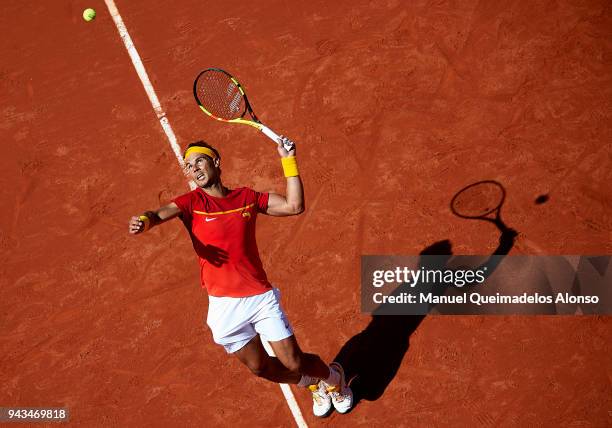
480, 201
221, 97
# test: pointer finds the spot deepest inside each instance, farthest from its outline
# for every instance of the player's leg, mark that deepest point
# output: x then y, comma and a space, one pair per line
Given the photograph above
254, 356
330, 380
272, 324
311, 368
291, 356
326, 383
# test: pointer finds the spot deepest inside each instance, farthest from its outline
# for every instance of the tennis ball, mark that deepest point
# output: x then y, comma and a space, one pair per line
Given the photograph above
89, 14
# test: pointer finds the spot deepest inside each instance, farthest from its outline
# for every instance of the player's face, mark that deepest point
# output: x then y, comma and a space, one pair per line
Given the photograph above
201, 169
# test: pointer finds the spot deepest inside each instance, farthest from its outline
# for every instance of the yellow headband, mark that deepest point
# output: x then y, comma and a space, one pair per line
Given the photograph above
203, 150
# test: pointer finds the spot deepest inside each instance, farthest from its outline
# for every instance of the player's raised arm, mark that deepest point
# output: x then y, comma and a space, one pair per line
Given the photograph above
293, 202
148, 219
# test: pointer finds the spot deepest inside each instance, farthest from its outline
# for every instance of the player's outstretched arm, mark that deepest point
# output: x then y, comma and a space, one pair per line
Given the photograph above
293, 202
148, 219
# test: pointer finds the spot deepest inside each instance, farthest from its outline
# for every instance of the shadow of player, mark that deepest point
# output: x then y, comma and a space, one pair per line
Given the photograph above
372, 357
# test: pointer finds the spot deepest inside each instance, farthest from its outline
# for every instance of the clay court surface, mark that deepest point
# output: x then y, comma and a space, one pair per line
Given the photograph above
395, 106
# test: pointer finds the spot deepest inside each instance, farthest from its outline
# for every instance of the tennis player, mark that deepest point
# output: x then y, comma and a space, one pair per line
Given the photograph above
243, 306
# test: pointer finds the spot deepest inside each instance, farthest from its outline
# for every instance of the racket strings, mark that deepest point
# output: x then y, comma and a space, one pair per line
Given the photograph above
220, 96
478, 200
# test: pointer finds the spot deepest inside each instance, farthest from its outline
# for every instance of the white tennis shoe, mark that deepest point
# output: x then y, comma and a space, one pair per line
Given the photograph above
341, 394
321, 400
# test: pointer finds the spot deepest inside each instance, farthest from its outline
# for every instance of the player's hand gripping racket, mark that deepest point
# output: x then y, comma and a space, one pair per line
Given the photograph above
482, 201
221, 97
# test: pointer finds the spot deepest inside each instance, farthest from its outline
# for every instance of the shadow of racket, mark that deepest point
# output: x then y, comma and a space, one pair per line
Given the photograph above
482, 200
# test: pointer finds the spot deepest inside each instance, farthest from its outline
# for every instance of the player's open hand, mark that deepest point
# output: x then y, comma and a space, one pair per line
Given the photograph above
136, 225
282, 147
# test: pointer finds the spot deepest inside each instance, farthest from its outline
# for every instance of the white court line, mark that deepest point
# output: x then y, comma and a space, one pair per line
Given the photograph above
293, 405
146, 83
165, 124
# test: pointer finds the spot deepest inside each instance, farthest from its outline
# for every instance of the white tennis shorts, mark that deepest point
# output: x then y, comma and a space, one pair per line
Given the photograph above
234, 321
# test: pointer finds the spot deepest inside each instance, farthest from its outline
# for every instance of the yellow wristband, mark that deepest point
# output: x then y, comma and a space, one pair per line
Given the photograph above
146, 221
290, 166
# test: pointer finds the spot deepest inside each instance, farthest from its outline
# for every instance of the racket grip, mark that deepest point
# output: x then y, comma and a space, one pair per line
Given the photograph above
276, 138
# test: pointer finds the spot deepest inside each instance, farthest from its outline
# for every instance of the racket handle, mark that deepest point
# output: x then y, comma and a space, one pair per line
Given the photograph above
276, 138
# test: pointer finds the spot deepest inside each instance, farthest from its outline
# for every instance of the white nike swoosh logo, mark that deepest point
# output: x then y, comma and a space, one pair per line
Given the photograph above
210, 219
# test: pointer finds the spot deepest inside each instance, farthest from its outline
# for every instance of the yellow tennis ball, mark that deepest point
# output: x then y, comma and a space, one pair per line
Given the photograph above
89, 14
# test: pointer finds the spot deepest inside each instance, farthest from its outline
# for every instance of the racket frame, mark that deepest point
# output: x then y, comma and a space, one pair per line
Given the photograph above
255, 123
496, 209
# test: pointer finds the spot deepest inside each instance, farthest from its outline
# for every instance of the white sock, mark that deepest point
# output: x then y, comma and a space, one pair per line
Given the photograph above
306, 381
334, 378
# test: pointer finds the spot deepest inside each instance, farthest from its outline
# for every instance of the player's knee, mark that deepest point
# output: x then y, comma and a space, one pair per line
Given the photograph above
295, 363
258, 368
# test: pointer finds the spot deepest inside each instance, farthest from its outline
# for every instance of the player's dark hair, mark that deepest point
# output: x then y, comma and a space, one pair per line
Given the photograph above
201, 143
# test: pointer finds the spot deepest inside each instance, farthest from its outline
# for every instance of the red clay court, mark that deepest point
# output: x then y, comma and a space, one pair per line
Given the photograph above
394, 106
